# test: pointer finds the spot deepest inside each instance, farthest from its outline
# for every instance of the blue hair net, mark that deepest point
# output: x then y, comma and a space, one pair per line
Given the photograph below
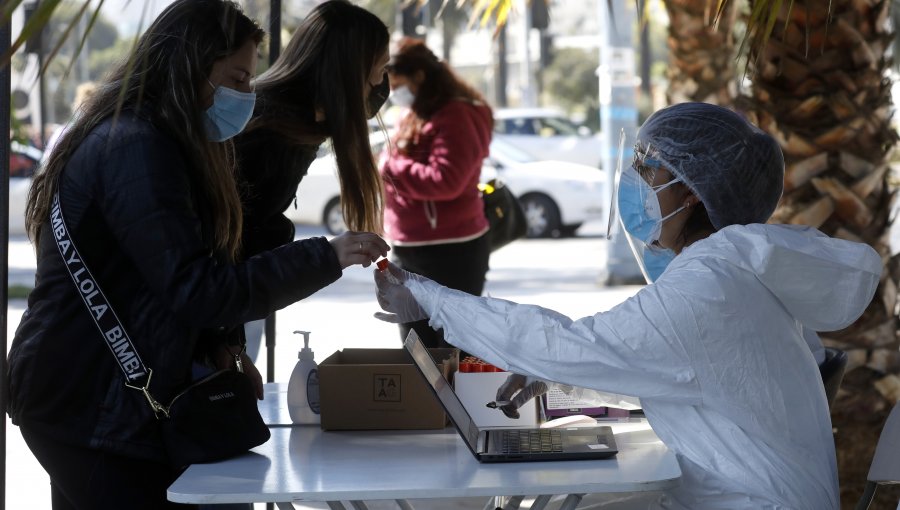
734, 168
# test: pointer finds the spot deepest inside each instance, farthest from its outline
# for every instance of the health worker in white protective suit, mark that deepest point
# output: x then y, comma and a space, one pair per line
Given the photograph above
714, 348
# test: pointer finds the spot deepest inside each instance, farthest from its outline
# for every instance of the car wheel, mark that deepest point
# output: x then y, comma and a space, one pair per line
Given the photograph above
333, 217
542, 216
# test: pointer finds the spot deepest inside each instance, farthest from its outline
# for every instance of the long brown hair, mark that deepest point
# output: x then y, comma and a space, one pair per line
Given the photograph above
162, 79
325, 67
440, 86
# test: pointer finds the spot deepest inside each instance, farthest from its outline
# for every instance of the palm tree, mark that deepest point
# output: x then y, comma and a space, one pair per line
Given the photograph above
701, 53
820, 87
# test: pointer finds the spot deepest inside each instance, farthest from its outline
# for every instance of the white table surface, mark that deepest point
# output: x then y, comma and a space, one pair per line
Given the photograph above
304, 463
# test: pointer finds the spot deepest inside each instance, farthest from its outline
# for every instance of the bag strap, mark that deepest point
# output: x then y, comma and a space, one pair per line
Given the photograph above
137, 374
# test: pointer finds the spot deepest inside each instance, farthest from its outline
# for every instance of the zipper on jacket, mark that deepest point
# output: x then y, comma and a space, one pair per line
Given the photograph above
431, 213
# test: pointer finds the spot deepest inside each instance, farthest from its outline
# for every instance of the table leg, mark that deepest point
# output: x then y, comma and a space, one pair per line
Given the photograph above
284, 506
571, 502
540, 502
336, 505
359, 505
513, 503
404, 504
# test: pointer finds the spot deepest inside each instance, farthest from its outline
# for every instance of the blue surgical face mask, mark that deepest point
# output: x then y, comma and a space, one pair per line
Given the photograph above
229, 114
655, 260
639, 207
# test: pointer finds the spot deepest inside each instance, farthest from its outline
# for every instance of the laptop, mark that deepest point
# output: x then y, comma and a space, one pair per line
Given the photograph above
510, 444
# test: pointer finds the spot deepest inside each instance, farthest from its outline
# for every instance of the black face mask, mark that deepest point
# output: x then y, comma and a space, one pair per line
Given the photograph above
378, 96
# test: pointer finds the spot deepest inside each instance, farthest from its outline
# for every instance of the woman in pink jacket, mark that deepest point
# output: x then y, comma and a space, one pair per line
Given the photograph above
433, 214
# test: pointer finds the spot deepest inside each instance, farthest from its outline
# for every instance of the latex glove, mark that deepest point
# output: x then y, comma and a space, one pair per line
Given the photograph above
524, 388
395, 298
361, 248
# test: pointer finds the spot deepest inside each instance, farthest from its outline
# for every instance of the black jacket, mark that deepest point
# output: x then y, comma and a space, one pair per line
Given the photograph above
270, 168
129, 206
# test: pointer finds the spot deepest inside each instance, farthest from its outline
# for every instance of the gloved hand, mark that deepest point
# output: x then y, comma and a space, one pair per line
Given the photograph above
395, 298
524, 388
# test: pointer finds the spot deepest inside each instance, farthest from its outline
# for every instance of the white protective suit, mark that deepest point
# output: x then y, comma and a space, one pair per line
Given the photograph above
715, 351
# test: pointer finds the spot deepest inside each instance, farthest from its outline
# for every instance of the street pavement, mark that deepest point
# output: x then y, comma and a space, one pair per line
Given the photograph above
563, 274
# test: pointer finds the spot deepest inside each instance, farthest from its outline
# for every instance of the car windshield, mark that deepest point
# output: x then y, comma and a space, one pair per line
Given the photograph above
537, 125
506, 152
558, 126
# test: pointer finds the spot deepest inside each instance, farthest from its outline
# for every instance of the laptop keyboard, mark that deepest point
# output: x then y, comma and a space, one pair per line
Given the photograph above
531, 441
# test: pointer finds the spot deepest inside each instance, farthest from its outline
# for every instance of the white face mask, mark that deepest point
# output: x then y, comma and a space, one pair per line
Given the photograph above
402, 96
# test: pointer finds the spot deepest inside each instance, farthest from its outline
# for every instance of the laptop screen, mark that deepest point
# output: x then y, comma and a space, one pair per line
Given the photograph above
443, 390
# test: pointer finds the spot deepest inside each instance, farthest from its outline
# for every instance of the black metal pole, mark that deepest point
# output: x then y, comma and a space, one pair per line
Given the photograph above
5, 83
274, 52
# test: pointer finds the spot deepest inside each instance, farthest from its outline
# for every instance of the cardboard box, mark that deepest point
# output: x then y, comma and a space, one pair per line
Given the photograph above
476, 389
380, 389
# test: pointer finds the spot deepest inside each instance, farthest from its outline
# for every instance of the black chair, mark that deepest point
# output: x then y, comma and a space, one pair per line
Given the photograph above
832, 370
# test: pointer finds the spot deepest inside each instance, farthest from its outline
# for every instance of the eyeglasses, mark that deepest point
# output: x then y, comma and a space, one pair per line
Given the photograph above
645, 167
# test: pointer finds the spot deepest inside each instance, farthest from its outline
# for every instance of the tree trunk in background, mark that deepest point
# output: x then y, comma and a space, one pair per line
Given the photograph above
701, 56
819, 87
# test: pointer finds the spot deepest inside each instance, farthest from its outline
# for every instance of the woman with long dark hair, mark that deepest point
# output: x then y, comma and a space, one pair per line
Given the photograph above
326, 84
144, 179
434, 215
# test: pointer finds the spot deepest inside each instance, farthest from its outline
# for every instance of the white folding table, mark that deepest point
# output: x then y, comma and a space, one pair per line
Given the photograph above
303, 463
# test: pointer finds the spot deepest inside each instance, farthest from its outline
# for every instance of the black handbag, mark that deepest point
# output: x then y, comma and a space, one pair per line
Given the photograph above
504, 214
212, 419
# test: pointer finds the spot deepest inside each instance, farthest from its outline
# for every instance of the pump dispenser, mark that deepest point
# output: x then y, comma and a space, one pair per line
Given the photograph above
303, 388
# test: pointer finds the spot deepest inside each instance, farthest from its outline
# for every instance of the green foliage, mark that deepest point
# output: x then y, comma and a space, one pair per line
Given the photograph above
17, 130
101, 61
18, 292
102, 35
571, 80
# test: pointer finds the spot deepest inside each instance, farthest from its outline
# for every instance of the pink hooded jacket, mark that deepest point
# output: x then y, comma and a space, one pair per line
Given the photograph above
432, 190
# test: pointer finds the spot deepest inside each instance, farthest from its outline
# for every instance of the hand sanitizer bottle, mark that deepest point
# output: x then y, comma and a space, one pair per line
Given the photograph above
303, 388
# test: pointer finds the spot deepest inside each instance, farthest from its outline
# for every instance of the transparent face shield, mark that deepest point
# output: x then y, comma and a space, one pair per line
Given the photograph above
636, 210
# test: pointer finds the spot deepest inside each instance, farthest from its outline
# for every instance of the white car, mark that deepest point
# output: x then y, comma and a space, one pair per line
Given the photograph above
548, 135
23, 162
557, 196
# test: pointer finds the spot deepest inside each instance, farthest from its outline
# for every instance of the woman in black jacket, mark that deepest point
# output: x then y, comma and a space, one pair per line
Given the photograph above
146, 182
327, 83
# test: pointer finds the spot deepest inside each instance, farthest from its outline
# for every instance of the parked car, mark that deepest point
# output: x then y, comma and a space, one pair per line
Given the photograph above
557, 196
23, 163
549, 135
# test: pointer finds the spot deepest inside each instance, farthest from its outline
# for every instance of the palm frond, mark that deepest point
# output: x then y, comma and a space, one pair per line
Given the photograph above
65, 35
32, 28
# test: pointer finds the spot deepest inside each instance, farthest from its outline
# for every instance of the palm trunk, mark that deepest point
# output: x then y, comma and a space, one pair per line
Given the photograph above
819, 87
701, 56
